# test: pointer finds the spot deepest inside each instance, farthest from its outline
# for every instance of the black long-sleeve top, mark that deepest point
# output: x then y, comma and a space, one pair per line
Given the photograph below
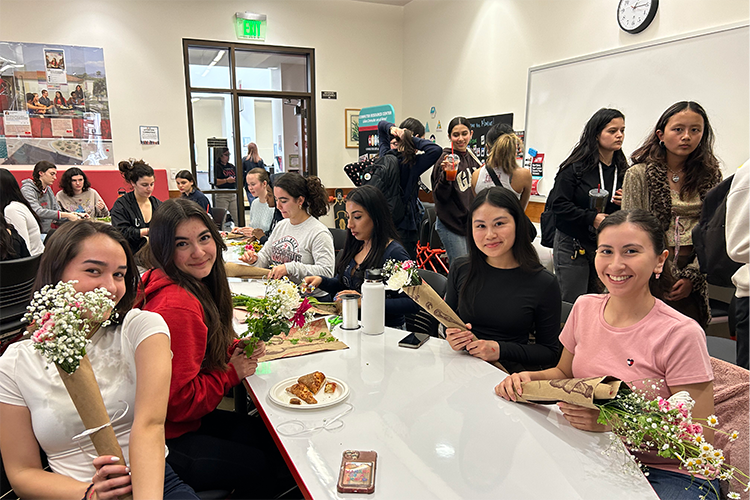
396, 304
570, 201
409, 174
511, 305
128, 219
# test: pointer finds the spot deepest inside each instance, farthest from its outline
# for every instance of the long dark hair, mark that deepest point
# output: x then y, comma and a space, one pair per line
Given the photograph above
217, 158
652, 226
406, 149
39, 168
701, 166
316, 198
132, 170
6, 241
523, 250
212, 291
66, 181
383, 230
65, 243
9, 192
416, 127
586, 152
188, 176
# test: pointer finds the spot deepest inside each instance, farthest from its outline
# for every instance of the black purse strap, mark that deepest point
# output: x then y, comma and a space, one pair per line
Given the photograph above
494, 176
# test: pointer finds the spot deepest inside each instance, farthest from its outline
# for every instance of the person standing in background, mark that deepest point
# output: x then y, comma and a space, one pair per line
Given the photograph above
132, 212
251, 161
596, 162
412, 165
225, 177
738, 249
452, 189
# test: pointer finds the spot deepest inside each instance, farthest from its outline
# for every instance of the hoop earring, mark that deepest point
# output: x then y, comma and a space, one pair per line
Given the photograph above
661, 144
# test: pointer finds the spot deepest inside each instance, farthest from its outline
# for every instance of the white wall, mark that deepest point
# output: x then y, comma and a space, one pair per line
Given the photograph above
473, 56
142, 41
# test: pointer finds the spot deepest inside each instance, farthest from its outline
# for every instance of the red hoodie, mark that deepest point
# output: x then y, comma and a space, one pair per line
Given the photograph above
193, 391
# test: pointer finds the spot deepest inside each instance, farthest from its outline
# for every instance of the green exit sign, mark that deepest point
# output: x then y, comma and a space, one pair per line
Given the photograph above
249, 26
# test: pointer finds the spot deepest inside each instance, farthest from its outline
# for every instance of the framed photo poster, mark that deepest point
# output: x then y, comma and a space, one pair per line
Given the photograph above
352, 127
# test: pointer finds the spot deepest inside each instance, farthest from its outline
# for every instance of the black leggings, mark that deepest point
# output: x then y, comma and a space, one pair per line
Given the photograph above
233, 452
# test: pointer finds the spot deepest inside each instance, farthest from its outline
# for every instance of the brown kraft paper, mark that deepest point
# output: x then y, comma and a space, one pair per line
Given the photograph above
429, 300
87, 398
577, 391
235, 270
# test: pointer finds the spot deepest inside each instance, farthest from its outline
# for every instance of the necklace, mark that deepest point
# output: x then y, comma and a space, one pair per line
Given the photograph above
675, 175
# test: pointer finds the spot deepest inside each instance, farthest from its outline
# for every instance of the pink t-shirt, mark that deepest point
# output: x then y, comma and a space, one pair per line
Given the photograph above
664, 345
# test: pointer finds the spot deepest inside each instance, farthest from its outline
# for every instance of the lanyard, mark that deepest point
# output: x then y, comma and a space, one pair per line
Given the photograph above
614, 182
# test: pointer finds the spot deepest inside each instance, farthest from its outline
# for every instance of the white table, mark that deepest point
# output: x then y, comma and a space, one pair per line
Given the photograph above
439, 429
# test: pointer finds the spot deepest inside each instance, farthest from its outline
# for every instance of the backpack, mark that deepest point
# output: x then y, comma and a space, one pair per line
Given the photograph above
709, 237
383, 172
547, 220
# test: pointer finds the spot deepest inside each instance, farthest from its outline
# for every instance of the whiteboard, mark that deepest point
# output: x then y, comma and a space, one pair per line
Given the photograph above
642, 81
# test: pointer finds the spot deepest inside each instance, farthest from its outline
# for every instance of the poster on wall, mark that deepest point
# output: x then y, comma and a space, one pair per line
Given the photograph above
61, 95
369, 118
480, 126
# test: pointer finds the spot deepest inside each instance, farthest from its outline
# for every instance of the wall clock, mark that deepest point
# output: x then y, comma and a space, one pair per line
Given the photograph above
634, 16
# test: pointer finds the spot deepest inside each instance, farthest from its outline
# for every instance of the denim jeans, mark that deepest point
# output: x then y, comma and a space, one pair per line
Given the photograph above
174, 488
576, 276
454, 244
670, 485
227, 201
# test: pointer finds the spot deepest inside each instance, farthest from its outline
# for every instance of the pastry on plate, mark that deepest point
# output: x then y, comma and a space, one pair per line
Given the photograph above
330, 388
313, 381
303, 393
295, 401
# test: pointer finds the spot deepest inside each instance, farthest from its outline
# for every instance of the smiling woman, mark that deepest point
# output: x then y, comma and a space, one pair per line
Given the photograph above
501, 290
210, 448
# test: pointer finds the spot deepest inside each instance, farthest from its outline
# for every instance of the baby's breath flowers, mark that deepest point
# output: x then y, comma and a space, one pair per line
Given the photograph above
65, 319
667, 427
274, 314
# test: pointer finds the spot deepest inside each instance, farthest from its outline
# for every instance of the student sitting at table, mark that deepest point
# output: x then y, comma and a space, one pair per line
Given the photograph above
300, 245
261, 212
634, 336
76, 194
130, 358
186, 184
371, 240
209, 448
502, 291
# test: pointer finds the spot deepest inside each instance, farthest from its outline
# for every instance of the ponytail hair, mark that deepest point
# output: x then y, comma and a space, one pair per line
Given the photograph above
132, 170
262, 174
503, 153
310, 188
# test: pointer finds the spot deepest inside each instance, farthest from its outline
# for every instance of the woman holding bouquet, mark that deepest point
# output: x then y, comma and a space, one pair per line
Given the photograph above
209, 448
94, 255
371, 240
501, 290
300, 245
632, 335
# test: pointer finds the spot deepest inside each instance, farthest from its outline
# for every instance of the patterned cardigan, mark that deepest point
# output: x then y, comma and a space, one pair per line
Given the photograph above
646, 187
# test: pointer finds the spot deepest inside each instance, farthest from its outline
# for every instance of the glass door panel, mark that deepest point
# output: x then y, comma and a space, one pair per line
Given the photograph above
209, 67
266, 71
213, 129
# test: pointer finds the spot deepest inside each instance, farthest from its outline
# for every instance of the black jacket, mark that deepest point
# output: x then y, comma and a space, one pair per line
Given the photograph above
128, 219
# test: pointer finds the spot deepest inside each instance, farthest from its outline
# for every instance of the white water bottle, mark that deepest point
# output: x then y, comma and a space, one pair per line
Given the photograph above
373, 303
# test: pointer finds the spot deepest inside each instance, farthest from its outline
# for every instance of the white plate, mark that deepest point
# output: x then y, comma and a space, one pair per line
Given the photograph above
279, 395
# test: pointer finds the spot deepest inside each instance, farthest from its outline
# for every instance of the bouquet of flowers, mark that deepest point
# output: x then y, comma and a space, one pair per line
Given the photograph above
282, 308
65, 319
400, 274
668, 427
255, 246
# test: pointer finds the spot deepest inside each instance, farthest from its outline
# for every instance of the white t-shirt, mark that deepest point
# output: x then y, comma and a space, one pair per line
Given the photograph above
27, 380
261, 215
305, 248
23, 220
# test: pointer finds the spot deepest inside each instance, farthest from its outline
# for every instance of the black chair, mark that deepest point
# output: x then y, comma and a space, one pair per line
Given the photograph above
16, 282
339, 239
219, 215
422, 321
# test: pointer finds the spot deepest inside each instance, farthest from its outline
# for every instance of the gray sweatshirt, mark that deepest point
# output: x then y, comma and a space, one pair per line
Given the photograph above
43, 203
